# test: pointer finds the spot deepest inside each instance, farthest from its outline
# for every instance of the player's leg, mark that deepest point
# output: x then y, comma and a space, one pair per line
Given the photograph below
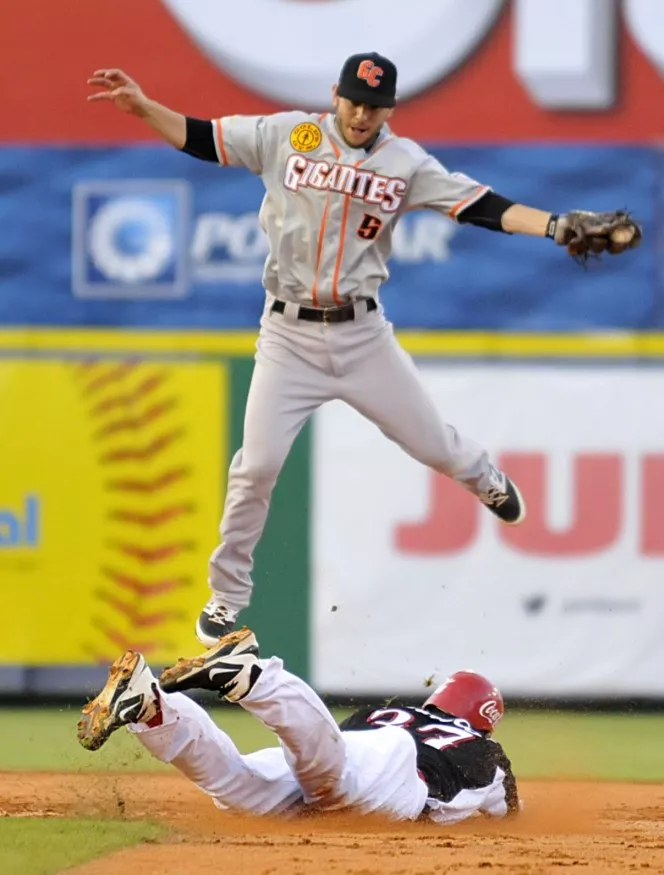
176, 730
261, 783
373, 772
285, 390
386, 388
312, 742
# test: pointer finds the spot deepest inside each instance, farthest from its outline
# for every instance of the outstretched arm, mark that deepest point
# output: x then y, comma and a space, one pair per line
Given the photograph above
518, 219
128, 96
497, 213
582, 233
463, 199
238, 141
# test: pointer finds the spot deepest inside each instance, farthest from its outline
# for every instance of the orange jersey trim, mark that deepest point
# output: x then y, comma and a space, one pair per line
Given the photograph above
457, 208
319, 253
340, 254
342, 243
219, 136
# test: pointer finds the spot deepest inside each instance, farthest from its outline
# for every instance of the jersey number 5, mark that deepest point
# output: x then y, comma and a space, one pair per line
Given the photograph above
369, 227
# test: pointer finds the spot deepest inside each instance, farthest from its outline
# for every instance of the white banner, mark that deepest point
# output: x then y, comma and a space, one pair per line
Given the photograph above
413, 578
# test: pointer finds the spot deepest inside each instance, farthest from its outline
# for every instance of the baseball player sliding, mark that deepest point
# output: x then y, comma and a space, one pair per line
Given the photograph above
336, 185
438, 761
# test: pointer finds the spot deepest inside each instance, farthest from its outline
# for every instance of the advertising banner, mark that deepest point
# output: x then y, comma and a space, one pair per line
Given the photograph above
482, 71
113, 477
413, 578
146, 236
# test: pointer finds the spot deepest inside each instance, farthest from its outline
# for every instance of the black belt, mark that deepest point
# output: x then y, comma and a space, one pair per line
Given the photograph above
345, 313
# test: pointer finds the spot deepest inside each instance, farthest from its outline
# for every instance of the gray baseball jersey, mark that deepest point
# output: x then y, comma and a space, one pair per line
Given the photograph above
329, 210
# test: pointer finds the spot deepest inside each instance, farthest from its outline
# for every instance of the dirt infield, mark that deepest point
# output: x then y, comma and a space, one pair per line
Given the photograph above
599, 828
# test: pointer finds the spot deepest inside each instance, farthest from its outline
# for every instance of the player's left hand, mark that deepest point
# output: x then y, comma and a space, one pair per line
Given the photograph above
586, 234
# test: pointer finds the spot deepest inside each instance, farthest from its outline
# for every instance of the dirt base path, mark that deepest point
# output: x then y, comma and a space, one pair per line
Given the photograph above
595, 828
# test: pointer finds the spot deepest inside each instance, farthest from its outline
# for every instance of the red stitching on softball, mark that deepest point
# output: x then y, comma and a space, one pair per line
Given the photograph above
119, 372
142, 587
142, 453
127, 404
123, 642
137, 618
134, 423
150, 555
156, 484
150, 520
126, 399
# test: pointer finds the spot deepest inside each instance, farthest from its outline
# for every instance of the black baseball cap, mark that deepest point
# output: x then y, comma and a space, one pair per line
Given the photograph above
370, 78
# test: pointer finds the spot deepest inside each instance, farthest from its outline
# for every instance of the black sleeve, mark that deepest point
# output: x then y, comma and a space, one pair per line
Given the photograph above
487, 212
200, 140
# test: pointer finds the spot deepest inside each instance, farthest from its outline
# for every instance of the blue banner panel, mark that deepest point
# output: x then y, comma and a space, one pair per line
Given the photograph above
146, 236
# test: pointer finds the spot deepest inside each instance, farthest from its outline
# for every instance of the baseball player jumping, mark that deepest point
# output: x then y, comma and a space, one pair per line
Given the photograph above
336, 185
437, 762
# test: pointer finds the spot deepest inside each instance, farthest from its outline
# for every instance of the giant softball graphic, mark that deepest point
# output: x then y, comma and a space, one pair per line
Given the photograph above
109, 504
292, 50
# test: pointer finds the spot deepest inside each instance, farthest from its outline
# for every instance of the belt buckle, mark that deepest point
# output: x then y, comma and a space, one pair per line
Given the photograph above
325, 317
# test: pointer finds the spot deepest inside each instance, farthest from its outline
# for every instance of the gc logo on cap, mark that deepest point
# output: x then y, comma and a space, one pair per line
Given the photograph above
369, 78
369, 71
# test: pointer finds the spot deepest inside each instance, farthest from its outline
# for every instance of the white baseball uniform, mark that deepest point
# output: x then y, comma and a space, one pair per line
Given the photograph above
329, 213
316, 764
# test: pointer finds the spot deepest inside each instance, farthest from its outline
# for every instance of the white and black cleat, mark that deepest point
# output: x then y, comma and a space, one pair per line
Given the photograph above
230, 668
503, 498
215, 621
129, 696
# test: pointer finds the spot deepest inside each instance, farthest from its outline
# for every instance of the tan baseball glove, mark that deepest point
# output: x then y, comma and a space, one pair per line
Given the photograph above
586, 234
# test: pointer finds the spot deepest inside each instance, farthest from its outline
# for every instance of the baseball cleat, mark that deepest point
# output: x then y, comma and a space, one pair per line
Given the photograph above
230, 668
215, 621
503, 498
129, 696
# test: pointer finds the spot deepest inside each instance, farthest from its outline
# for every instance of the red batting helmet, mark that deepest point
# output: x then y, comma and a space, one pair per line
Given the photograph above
469, 695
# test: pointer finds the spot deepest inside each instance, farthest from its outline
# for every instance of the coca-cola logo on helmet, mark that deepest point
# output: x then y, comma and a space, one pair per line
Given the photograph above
490, 711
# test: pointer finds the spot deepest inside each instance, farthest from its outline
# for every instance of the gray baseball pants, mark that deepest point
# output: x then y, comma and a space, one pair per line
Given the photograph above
299, 366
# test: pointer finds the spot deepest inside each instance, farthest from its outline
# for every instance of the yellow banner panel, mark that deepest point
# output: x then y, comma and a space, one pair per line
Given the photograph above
110, 500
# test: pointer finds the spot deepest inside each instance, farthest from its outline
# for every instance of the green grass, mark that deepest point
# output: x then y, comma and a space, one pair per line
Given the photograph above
622, 747
619, 747
45, 740
615, 747
32, 846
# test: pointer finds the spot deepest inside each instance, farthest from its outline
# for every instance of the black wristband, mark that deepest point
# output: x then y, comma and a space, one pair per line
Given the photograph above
200, 140
553, 224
